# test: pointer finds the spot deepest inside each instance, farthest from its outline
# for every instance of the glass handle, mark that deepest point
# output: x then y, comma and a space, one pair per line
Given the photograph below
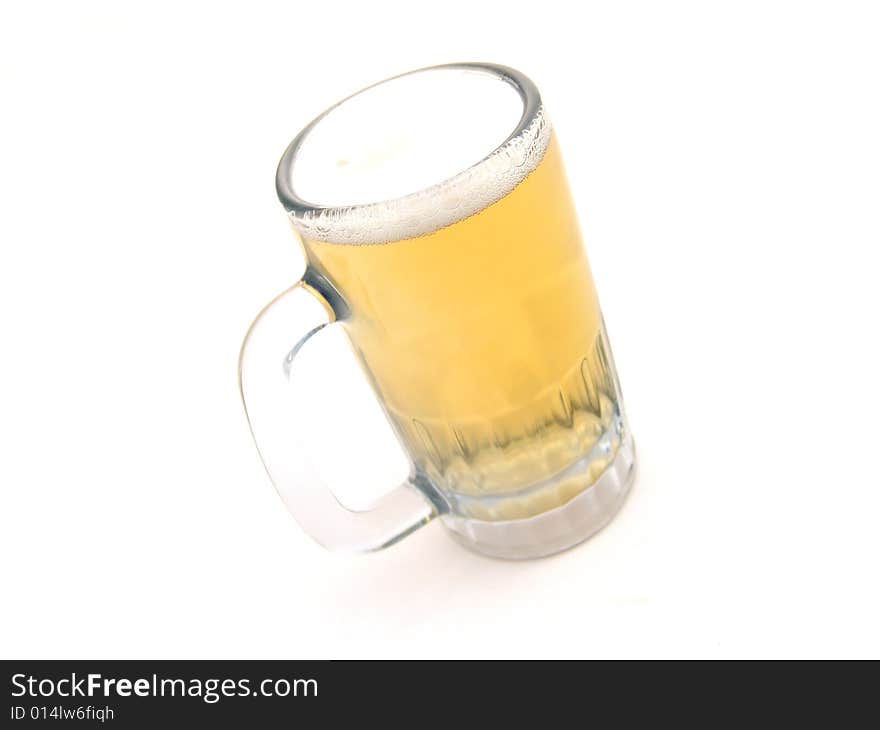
278, 422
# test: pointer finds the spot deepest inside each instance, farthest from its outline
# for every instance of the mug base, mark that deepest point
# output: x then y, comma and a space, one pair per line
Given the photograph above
557, 529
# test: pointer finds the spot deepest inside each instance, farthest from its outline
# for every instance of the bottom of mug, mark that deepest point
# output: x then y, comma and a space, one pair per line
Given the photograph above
557, 529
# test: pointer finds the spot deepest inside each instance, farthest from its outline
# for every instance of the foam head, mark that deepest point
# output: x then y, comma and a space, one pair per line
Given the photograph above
413, 154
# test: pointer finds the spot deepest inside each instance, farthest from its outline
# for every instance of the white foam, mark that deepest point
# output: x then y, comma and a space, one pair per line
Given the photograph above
413, 154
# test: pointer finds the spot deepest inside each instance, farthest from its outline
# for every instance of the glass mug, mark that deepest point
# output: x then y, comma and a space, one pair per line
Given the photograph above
440, 234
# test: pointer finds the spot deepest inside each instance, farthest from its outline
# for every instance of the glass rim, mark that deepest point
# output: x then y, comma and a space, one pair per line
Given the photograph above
420, 212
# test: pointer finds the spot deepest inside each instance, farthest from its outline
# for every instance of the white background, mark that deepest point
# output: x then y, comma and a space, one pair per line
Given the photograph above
726, 162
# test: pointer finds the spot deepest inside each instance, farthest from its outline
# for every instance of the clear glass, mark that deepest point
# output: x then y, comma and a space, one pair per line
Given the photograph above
440, 233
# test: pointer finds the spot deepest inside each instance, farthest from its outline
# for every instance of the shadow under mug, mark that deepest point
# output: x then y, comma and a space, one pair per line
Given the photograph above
440, 234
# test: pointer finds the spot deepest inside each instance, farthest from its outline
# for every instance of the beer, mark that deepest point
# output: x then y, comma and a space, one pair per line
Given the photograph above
484, 341
437, 224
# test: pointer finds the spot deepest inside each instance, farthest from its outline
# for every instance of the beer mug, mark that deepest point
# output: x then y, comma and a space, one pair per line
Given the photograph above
440, 234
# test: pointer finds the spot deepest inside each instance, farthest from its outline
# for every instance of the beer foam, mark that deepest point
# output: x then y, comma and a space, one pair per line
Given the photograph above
413, 154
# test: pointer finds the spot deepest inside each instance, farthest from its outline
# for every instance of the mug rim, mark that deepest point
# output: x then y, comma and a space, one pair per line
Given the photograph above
415, 213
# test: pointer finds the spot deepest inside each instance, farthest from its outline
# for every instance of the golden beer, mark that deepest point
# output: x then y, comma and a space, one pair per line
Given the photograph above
484, 341
439, 232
